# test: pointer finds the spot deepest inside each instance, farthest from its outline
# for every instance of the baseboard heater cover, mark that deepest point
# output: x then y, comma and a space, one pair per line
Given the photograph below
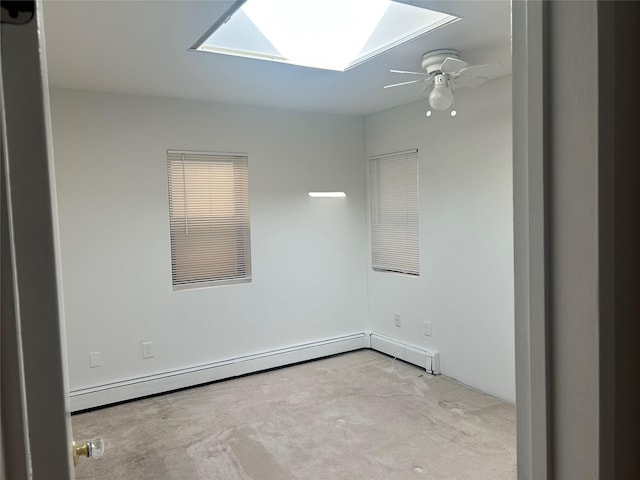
105, 394
426, 358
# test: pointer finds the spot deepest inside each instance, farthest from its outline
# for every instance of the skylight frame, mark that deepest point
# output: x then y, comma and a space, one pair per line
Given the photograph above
201, 46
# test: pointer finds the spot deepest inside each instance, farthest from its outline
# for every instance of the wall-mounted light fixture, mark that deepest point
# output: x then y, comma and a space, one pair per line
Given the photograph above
328, 194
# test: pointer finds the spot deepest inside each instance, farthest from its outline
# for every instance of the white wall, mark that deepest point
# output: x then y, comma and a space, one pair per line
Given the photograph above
465, 286
311, 275
307, 254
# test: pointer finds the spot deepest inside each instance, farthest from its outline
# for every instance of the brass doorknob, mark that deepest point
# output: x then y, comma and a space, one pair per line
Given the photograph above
94, 448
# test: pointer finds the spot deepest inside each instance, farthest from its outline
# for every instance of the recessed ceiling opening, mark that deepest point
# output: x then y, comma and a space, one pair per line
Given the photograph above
325, 34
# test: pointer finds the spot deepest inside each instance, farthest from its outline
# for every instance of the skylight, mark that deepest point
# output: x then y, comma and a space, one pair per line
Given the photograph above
325, 34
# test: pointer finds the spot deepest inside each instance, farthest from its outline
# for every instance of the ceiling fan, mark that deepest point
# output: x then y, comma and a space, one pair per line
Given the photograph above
446, 72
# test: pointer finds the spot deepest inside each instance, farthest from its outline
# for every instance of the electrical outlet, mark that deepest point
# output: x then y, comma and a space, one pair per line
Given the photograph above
397, 319
147, 349
427, 329
94, 359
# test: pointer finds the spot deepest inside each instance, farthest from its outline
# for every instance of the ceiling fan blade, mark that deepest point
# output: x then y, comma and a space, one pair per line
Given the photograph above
452, 65
468, 82
402, 83
410, 73
428, 83
488, 71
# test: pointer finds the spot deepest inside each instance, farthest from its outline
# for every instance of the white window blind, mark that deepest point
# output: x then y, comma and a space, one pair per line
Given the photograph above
394, 212
209, 218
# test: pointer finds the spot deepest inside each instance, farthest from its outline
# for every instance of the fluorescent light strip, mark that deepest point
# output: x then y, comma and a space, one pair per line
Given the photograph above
328, 194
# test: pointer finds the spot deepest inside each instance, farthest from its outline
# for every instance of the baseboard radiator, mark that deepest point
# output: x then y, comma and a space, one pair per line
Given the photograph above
105, 394
423, 357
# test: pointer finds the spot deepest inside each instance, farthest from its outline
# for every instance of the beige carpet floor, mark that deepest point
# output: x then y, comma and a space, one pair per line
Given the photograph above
360, 415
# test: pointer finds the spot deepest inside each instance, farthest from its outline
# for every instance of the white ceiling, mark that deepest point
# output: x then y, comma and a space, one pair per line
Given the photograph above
141, 47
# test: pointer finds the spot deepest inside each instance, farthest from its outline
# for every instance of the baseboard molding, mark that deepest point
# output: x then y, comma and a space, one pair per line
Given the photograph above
426, 358
100, 395
82, 399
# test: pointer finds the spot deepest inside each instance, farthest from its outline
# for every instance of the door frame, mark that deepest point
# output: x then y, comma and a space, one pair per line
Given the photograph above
32, 254
529, 38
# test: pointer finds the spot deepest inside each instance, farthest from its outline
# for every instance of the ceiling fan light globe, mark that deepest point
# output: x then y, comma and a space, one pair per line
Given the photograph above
440, 98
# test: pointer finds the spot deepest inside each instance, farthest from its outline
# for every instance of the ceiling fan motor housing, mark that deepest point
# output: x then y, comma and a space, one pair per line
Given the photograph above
431, 61
440, 80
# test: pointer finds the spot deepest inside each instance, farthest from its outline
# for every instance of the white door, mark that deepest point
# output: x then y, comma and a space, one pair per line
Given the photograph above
35, 414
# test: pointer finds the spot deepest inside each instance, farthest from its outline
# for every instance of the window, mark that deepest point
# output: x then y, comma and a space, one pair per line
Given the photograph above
209, 218
394, 212
328, 34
